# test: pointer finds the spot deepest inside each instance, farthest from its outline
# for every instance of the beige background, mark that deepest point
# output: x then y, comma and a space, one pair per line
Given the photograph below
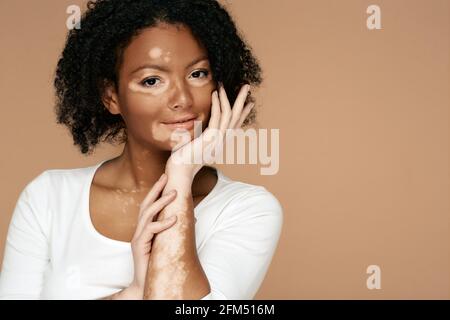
364, 127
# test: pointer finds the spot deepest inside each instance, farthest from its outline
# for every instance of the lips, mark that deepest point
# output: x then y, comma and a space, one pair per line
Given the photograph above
186, 122
181, 119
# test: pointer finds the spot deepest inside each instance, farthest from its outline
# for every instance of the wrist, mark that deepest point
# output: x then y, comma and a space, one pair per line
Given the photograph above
183, 185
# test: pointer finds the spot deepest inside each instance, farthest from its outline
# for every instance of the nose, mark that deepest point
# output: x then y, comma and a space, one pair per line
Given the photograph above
181, 97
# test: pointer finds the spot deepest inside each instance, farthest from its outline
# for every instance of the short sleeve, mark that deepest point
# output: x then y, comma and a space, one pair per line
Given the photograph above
237, 255
26, 253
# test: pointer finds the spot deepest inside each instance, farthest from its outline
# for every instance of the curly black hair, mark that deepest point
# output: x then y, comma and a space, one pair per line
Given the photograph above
93, 54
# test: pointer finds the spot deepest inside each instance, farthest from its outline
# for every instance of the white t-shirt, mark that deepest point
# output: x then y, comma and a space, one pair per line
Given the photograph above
53, 250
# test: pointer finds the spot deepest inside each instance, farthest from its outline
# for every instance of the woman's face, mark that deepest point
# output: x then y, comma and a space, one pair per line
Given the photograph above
165, 76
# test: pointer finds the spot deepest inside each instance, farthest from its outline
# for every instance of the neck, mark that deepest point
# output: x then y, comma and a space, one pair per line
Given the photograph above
140, 167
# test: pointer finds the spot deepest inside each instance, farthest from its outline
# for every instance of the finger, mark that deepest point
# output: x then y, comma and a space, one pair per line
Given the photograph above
244, 114
210, 132
239, 105
149, 213
156, 227
225, 109
215, 111
154, 192
154, 209
158, 205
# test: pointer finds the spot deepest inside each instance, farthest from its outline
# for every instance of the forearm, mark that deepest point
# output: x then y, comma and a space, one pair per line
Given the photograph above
129, 293
174, 270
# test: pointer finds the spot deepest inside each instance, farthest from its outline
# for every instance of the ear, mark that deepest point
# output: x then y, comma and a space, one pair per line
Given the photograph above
110, 98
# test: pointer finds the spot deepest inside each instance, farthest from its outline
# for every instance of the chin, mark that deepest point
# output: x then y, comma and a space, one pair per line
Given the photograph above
172, 143
171, 136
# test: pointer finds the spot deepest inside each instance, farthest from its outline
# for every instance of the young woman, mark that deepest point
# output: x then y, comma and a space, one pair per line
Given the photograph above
143, 225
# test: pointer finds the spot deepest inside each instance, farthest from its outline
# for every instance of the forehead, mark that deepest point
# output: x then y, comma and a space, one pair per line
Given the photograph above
155, 44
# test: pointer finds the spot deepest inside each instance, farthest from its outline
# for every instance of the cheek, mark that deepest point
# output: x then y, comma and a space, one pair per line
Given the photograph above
158, 133
141, 111
143, 119
203, 104
143, 103
202, 83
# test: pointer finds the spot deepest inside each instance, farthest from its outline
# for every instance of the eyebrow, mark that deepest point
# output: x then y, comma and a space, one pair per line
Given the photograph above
165, 69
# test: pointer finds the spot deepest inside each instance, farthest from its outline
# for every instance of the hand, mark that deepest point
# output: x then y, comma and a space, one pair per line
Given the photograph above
145, 230
223, 118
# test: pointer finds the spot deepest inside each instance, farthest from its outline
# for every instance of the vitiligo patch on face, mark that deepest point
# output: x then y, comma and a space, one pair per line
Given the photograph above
158, 132
167, 57
201, 82
135, 87
140, 88
155, 53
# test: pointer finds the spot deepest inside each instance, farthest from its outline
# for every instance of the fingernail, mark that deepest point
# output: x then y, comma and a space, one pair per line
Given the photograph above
173, 191
162, 176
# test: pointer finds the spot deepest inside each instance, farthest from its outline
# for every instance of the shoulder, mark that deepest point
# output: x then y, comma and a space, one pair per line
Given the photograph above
65, 178
252, 196
51, 190
249, 202
51, 182
242, 193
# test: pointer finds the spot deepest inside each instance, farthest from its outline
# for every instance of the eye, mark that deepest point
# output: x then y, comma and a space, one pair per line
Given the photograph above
197, 73
150, 82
